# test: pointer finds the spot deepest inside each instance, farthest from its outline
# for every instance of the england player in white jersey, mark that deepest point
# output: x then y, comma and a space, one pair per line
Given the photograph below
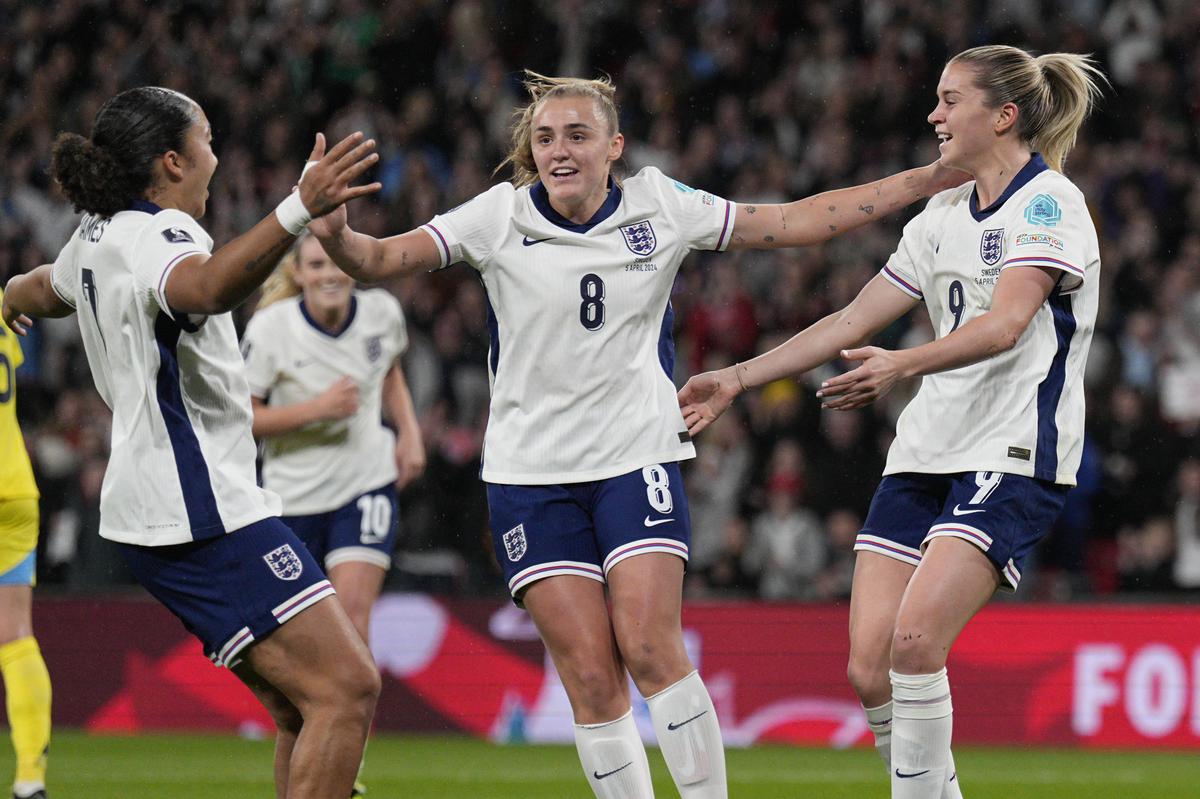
584, 438
1008, 268
179, 494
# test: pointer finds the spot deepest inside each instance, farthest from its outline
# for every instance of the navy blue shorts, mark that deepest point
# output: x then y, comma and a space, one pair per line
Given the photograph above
587, 528
235, 589
364, 529
1004, 515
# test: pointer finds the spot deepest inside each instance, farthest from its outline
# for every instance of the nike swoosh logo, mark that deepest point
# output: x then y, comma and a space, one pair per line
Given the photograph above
656, 522
528, 242
909, 776
958, 512
600, 776
674, 726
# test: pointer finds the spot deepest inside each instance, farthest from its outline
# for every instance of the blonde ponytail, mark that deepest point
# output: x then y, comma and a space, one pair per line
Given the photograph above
542, 88
1054, 93
281, 284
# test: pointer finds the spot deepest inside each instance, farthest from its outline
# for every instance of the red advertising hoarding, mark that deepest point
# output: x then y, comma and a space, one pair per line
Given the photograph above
1072, 675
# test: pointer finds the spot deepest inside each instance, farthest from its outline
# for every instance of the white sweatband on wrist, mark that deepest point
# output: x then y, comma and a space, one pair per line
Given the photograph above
292, 214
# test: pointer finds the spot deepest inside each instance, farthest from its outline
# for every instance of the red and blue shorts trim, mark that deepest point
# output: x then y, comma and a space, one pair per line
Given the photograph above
585, 529
1005, 515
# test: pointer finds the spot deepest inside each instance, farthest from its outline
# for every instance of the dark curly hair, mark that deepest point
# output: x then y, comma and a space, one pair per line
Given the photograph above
104, 174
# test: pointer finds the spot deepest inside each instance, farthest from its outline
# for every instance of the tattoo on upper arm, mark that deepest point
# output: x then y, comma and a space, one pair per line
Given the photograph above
832, 208
750, 209
867, 209
740, 239
782, 218
833, 228
768, 239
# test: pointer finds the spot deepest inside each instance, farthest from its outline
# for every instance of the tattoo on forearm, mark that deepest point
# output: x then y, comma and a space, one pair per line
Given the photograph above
272, 255
867, 209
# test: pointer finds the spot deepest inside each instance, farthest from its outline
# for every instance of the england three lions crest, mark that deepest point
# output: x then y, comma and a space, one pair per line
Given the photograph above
514, 543
639, 238
285, 563
991, 246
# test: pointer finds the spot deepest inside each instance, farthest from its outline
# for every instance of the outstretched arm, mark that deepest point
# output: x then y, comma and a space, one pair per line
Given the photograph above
218, 283
706, 396
32, 295
1019, 293
823, 216
368, 259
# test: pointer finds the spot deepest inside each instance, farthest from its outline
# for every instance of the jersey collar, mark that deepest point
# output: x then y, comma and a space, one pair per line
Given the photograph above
1031, 169
145, 206
336, 333
541, 201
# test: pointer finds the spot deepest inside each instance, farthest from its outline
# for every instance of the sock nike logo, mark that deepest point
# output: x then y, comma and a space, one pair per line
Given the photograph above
528, 242
953, 777
600, 776
910, 776
673, 726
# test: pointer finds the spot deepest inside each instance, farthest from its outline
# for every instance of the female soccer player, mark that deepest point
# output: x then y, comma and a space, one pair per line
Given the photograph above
180, 495
1008, 267
322, 362
26, 681
582, 447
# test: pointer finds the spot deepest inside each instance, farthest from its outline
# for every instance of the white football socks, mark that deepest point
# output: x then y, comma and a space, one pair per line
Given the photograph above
879, 720
614, 759
922, 721
685, 722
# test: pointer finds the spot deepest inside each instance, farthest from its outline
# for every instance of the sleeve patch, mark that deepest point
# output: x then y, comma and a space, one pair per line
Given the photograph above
1040, 240
177, 235
1043, 210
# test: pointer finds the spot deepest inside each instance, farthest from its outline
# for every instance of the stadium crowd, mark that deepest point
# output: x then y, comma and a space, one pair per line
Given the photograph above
756, 101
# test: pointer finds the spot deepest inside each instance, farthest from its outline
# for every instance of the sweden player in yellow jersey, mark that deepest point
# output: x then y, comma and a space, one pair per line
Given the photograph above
26, 681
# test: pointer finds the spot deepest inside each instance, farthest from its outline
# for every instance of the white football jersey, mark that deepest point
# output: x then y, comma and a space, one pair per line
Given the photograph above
582, 354
1022, 411
291, 359
182, 463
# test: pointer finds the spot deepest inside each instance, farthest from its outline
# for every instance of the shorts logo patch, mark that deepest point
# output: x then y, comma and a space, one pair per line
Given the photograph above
1043, 210
177, 235
285, 563
514, 543
991, 245
374, 349
639, 237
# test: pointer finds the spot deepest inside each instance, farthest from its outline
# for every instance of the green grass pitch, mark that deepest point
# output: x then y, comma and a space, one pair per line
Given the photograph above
195, 766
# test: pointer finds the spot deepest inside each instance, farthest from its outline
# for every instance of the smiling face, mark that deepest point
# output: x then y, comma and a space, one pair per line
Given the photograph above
197, 164
969, 130
326, 288
574, 150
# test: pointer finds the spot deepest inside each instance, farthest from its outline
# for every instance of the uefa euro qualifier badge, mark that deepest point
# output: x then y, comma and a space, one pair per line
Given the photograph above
1043, 210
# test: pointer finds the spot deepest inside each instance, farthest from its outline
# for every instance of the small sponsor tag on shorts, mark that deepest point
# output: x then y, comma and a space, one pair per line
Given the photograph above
685, 437
1020, 453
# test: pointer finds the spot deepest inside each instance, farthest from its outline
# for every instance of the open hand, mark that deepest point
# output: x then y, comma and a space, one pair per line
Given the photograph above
706, 396
326, 185
18, 322
879, 371
942, 177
